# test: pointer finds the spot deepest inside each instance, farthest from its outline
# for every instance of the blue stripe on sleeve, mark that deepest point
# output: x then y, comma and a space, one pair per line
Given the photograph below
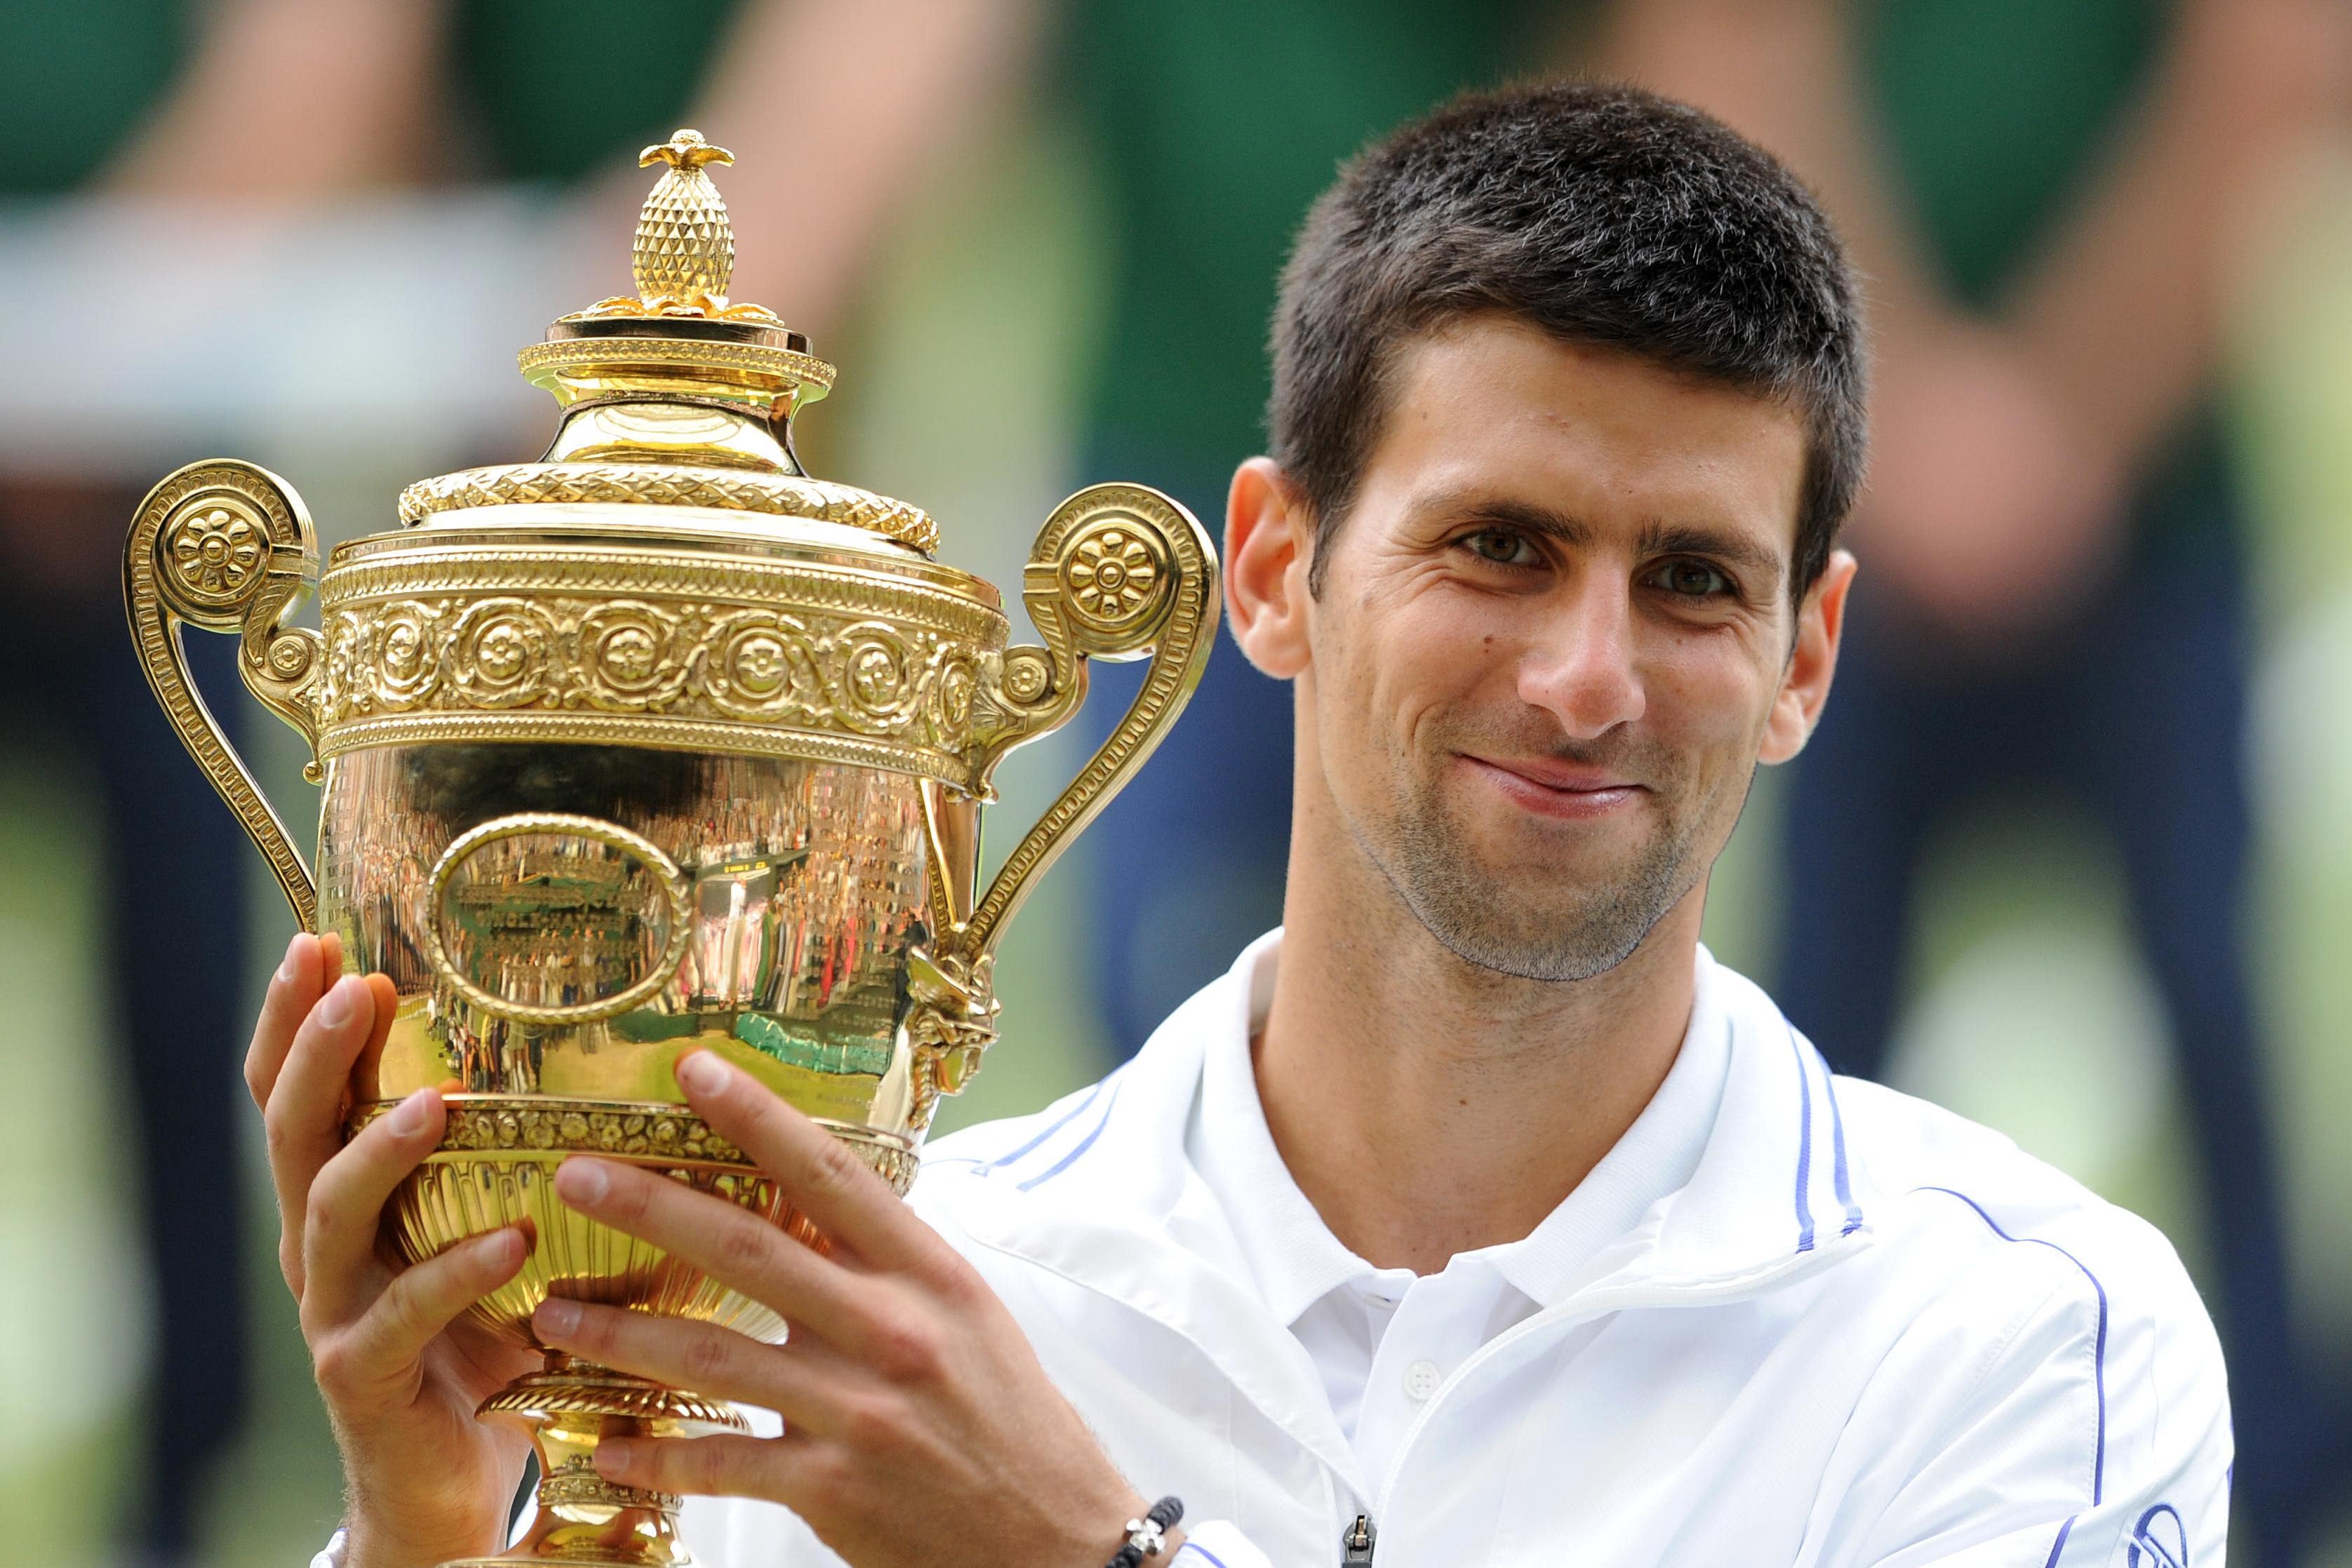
2098, 1352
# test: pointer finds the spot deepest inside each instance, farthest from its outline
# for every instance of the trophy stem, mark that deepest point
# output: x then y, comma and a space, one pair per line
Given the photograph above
569, 1408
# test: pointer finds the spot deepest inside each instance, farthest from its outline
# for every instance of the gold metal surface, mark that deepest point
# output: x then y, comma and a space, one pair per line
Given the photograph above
569, 1408
745, 368
512, 635
226, 545
684, 251
809, 886
1119, 572
550, 912
781, 495
496, 1167
658, 745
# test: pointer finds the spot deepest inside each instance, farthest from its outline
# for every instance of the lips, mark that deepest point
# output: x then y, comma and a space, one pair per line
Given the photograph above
1554, 774
1554, 788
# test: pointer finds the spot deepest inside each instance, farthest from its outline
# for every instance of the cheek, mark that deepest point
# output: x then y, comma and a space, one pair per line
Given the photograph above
1397, 654
1433, 662
1709, 698
1345, 717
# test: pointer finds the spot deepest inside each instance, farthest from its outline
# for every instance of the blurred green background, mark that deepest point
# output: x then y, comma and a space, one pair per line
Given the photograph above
960, 386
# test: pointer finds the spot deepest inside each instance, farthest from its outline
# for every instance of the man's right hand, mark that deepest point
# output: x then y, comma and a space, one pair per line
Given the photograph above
400, 1364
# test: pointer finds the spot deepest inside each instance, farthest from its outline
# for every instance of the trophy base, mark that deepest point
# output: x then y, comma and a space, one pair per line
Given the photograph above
570, 1406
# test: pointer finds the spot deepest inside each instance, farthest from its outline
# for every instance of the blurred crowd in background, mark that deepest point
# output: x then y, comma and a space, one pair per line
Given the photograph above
2070, 853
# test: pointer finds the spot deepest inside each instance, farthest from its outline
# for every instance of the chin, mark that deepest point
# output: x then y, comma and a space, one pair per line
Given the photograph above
1570, 915
1529, 869
1539, 954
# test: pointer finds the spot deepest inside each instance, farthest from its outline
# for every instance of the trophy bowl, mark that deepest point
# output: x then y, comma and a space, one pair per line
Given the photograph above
656, 744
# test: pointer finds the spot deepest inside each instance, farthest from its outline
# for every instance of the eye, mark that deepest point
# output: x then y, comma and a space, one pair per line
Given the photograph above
1690, 578
1504, 547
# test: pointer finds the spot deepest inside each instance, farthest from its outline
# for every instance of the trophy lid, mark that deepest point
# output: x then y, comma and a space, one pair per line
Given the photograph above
677, 395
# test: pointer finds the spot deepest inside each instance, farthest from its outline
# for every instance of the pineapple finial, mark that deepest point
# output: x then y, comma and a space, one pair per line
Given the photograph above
685, 252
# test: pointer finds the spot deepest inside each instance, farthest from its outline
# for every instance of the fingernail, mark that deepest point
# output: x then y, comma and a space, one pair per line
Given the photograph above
556, 1317
701, 1074
408, 1117
336, 1007
581, 1181
612, 1456
286, 967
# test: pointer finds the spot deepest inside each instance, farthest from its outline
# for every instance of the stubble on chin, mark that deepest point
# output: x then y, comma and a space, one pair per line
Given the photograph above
1513, 920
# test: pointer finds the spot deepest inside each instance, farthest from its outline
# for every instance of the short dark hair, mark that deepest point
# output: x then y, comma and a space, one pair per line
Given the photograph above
1603, 215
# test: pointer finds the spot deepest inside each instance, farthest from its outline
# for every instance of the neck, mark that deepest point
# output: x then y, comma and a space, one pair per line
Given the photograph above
1426, 1107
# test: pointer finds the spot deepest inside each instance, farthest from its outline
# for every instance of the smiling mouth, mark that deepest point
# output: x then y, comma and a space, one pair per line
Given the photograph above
1556, 789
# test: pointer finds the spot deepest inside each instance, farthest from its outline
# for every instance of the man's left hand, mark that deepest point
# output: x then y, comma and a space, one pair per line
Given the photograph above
919, 1426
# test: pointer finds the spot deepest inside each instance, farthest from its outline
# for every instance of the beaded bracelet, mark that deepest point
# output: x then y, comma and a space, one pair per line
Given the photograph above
1146, 1537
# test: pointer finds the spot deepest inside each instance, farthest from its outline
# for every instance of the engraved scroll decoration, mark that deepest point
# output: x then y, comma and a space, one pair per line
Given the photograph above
640, 484
524, 1127
889, 689
1119, 572
226, 545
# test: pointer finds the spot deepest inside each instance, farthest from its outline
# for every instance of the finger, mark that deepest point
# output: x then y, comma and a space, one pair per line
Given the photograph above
293, 990
420, 1303
303, 1117
838, 1192
729, 1243
331, 960
341, 1216
707, 1466
387, 996
718, 1363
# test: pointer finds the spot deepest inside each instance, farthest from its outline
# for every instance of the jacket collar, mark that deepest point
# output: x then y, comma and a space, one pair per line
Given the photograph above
1102, 1191
1282, 1247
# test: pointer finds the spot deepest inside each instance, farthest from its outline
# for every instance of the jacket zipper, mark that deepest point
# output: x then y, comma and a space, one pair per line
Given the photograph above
1356, 1541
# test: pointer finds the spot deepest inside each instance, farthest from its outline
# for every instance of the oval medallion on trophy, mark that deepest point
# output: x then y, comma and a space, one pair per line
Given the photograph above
546, 918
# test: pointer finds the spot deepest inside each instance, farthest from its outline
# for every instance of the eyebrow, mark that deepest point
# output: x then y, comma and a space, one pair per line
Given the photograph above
1658, 538
1734, 550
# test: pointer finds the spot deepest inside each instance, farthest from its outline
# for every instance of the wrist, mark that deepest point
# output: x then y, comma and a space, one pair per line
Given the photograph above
370, 1545
1150, 1536
389, 1520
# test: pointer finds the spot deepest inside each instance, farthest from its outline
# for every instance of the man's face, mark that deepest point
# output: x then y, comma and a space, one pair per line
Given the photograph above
1553, 639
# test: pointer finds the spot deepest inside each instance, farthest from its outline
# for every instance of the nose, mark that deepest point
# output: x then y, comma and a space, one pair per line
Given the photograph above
1580, 668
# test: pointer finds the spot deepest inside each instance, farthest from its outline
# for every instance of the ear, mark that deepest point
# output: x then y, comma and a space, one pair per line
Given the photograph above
1805, 683
1269, 539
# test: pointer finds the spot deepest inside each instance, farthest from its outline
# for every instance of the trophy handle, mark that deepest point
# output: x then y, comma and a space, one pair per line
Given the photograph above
1118, 572
225, 546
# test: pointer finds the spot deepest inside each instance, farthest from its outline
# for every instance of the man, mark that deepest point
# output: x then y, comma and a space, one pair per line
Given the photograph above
2057, 207
1477, 1216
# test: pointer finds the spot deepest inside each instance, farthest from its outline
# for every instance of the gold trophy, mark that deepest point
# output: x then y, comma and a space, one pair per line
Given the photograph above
652, 746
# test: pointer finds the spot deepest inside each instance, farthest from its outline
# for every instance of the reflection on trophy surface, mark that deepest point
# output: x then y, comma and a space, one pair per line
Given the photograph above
656, 744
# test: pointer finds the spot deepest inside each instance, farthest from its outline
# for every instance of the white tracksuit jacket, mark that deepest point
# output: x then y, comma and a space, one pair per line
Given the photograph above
1865, 1332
